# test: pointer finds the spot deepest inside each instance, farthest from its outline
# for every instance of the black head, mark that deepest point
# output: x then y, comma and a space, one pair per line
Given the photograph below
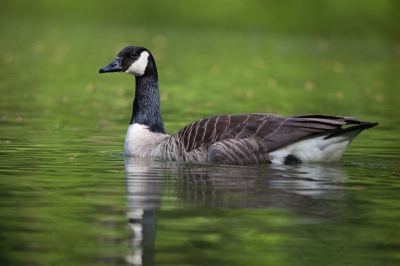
133, 60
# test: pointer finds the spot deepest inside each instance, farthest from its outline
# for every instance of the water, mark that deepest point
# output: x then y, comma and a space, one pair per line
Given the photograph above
133, 211
68, 196
232, 215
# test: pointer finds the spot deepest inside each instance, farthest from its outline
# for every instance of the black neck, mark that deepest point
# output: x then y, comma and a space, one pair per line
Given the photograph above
146, 105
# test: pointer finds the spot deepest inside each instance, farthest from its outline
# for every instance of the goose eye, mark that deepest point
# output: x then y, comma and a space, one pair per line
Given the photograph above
134, 55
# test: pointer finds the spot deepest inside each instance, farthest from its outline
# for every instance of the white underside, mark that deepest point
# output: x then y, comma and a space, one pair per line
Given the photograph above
315, 149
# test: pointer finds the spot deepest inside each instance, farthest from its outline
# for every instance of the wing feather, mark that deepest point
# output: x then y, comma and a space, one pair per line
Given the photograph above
270, 131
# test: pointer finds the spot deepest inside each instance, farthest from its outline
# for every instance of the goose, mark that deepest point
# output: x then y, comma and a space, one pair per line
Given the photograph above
227, 139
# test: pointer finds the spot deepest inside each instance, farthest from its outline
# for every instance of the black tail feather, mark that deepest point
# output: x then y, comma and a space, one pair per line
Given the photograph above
362, 126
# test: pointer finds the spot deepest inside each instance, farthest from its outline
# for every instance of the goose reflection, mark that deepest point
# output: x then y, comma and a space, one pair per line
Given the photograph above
314, 190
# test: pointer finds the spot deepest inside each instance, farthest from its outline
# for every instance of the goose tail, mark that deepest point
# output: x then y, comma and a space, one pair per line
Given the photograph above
360, 127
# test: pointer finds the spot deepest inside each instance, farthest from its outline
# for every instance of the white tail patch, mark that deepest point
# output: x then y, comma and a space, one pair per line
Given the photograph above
315, 149
139, 66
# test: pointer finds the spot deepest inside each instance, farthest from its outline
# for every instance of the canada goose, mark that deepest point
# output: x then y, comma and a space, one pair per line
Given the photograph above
230, 139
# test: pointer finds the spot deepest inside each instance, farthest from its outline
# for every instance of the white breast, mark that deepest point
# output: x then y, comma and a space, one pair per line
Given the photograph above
140, 141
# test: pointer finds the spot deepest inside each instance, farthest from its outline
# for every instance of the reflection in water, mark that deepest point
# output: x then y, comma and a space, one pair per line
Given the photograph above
144, 194
313, 190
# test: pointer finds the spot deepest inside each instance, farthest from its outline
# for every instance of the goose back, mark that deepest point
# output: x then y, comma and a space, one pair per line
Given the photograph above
248, 138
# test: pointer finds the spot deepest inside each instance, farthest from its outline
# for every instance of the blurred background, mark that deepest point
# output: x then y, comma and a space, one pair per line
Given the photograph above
336, 57
62, 127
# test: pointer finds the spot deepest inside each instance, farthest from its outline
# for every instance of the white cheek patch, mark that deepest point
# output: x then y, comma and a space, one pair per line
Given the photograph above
139, 66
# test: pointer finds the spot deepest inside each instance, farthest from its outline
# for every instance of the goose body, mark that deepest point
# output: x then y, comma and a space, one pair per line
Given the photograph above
230, 139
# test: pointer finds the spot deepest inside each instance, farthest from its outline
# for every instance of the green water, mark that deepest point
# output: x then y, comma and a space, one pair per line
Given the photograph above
69, 197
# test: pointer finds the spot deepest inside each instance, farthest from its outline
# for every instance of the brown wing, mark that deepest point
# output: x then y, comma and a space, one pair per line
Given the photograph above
271, 131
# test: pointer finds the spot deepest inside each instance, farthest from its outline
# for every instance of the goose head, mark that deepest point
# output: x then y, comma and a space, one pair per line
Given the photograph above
134, 60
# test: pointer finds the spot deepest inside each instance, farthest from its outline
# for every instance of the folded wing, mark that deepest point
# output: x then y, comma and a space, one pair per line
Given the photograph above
269, 131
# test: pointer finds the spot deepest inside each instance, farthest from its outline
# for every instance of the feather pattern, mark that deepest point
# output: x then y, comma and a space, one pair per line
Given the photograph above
246, 138
233, 139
